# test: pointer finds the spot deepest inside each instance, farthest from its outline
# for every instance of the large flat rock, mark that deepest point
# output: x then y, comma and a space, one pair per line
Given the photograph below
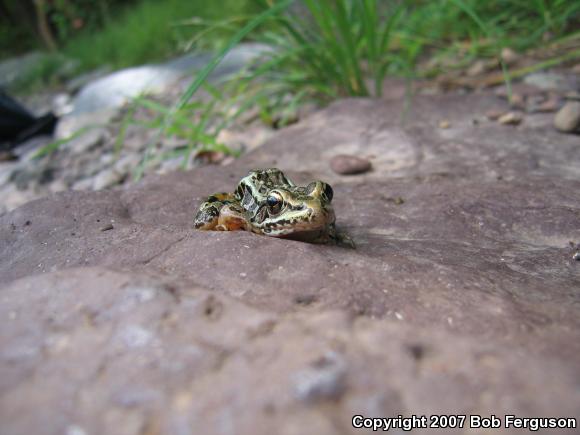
116, 89
462, 299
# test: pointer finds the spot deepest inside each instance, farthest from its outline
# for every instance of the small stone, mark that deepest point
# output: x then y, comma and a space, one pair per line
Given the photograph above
86, 141
477, 68
509, 56
552, 104
576, 256
494, 115
83, 184
246, 139
349, 165
549, 81
106, 178
70, 124
127, 163
61, 104
210, 157
170, 165
57, 186
107, 227
106, 159
567, 120
517, 101
323, 380
501, 92
444, 124
511, 118
29, 175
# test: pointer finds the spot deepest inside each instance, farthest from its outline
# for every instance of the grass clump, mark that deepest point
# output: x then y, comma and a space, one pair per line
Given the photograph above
193, 129
319, 49
176, 122
324, 49
468, 29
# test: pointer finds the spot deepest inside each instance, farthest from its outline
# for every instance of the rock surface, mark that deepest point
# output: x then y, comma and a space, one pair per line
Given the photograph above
344, 164
462, 296
116, 89
510, 118
567, 120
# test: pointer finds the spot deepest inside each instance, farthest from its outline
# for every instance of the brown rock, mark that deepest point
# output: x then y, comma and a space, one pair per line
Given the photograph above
107, 178
477, 68
510, 118
509, 56
517, 88
349, 165
460, 301
144, 353
551, 104
567, 119
517, 101
494, 114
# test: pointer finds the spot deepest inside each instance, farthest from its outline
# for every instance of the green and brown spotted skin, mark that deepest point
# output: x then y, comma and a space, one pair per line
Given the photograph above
266, 202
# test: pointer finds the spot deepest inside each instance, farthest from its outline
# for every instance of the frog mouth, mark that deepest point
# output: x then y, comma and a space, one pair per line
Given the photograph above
309, 223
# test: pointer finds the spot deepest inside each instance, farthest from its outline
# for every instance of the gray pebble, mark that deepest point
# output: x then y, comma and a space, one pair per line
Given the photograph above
344, 164
567, 120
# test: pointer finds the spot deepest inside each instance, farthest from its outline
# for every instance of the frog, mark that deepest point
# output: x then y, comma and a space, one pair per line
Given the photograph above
267, 202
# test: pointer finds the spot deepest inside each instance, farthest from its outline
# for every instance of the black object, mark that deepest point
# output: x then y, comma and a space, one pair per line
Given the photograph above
17, 124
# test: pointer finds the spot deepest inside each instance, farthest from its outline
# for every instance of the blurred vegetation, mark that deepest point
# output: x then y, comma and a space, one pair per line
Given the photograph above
324, 49
375, 37
321, 49
149, 31
89, 34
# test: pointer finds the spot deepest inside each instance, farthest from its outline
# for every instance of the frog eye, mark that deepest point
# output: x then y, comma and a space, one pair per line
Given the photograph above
320, 189
328, 192
274, 203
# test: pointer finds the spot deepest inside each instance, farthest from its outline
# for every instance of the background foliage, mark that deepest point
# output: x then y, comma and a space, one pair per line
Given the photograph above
320, 49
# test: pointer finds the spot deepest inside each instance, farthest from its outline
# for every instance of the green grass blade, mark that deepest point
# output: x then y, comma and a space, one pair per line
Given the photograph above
242, 33
473, 15
127, 120
204, 73
54, 146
